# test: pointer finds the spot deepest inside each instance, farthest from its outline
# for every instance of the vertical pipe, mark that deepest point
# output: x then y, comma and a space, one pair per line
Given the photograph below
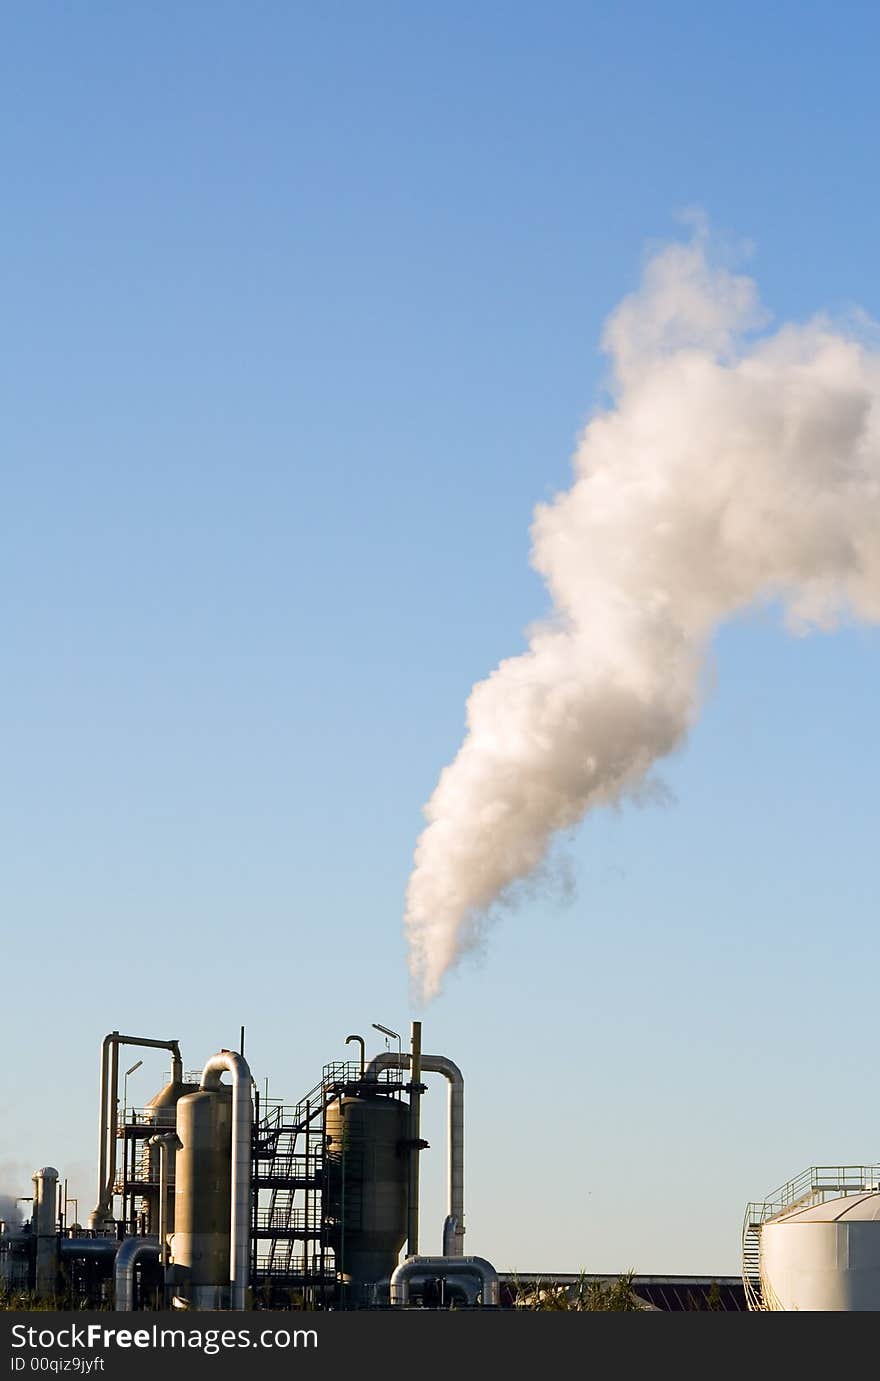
255, 1197
307, 1199
322, 1243
113, 1108
412, 1235
345, 1140
165, 1141
163, 1211
96, 1218
242, 1124
453, 1228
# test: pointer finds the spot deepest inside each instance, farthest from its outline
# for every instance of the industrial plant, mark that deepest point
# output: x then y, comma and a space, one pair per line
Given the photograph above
211, 1196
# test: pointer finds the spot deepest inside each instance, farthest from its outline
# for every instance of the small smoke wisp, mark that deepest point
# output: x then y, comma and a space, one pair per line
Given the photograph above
10, 1212
733, 466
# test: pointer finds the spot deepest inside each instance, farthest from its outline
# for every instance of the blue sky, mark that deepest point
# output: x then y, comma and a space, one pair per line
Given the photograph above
301, 310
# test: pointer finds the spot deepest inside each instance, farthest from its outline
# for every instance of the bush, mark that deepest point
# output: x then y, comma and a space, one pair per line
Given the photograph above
585, 1295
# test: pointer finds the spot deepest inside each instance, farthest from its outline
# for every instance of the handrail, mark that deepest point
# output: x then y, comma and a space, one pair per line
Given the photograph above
283, 1218
812, 1186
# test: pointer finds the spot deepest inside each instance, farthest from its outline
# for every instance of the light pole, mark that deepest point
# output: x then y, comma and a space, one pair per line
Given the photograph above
386, 1031
125, 1088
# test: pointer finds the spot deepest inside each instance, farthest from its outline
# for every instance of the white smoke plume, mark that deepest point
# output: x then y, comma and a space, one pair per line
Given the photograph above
731, 468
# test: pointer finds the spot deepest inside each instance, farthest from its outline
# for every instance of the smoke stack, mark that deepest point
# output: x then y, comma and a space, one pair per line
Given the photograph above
45, 1227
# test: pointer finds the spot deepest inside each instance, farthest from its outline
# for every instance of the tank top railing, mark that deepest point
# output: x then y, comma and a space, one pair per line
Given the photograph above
812, 1186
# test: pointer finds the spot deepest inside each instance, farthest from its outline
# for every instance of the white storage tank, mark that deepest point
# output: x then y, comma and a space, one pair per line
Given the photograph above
825, 1257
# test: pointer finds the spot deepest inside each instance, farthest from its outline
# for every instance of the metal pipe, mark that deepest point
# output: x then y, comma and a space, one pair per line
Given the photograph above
131, 1251
415, 1101
242, 1120
450, 1235
165, 1141
96, 1218
102, 1136
101, 1216
363, 1046
454, 1226
445, 1266
112, 1109
93, 1248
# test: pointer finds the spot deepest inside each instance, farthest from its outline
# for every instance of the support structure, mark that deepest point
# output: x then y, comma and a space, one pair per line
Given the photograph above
101, 1217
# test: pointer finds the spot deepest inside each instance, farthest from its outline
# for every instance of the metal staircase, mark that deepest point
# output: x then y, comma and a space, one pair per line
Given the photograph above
812, 1186
751, 1258
290, 1250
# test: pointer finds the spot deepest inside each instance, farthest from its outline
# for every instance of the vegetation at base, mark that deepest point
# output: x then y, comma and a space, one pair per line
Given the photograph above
65, 1299
25, 1299
584, 1295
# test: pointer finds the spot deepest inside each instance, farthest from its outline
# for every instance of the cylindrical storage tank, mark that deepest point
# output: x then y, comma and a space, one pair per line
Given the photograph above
367, 1166
202, 1199
823, 1258
160, 1114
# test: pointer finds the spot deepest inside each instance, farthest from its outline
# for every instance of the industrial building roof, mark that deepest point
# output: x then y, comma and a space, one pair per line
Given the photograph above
677, 1294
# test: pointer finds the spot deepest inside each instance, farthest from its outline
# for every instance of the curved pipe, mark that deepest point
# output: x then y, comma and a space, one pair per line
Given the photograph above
102, 1213
132, 1250
227, 1061
453, 1227
446, 1266
363, 1046
166, 1141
